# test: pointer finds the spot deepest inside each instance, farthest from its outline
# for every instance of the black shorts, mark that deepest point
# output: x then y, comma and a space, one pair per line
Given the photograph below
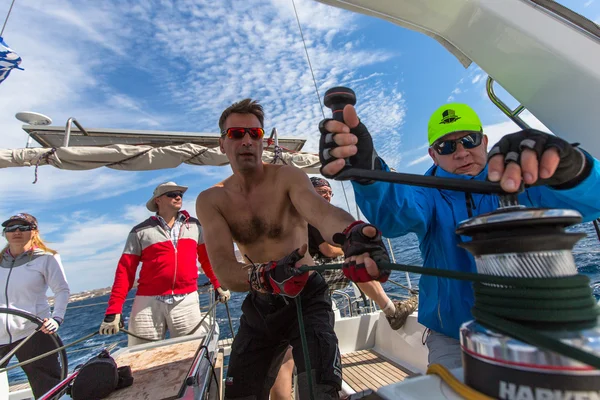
268, 325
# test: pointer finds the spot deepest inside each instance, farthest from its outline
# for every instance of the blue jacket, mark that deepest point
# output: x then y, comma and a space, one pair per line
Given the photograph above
444, 304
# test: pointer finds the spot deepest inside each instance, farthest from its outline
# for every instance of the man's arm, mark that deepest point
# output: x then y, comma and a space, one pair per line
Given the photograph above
315, 239
219, 244
324, 216
125, 274
395, 209
330, 251
205, 262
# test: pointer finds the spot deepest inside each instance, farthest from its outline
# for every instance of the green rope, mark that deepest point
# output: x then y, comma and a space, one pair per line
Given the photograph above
304, 347
523, 308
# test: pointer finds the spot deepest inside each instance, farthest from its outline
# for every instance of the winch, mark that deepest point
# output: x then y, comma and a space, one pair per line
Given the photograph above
520, 242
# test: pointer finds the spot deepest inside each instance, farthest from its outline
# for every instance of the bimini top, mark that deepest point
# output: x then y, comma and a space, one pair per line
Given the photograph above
131, 150
53, 136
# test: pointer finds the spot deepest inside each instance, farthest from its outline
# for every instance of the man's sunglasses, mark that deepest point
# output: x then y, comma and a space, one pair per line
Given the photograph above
238, 133
20, 228
174, 195
447, 147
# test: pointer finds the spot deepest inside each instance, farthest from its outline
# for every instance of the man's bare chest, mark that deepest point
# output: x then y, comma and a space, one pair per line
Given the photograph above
258, 216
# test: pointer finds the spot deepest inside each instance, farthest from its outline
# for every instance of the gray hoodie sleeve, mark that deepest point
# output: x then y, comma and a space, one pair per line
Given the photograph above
57, 281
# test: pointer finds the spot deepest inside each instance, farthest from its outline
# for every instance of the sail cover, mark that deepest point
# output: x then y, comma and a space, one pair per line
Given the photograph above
140, 157
9, 60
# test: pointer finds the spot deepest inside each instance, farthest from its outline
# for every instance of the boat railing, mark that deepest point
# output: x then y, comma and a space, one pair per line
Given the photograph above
68, 130
347, 307
204, 355
512, 114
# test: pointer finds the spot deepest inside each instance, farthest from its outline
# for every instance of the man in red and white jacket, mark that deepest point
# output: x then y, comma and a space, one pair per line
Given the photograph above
168, 245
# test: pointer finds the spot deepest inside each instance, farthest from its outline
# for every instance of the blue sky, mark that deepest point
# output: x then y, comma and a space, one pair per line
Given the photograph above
174, 66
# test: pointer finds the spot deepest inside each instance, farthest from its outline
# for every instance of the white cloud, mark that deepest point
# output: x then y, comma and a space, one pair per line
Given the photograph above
496, 131
419, 160
588, 3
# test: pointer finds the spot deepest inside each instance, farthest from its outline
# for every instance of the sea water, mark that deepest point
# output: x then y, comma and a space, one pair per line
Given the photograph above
81, 321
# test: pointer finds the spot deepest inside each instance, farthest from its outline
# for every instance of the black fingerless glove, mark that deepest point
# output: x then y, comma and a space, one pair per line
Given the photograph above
572, 169
365, 158
354, 242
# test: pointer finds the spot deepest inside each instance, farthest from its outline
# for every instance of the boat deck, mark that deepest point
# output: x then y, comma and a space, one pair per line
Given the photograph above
158, 373
366, 369
19, 386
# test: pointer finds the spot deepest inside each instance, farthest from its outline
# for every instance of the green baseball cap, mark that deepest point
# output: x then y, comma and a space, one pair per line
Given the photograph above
450, 118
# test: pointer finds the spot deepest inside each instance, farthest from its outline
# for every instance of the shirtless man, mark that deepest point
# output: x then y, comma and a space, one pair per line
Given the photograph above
265, 208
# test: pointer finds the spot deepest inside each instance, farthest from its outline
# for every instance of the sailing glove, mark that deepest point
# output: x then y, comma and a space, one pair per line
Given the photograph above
279, 277
354, 243
50, 325
365, 157
573, 167
222, 295
111, 325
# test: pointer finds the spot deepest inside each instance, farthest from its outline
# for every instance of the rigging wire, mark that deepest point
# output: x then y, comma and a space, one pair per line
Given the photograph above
7, 15
346, 197
308, 58
318, 95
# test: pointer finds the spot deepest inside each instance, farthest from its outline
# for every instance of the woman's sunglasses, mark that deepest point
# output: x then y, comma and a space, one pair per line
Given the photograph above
20, 228
447, 147
174, 195
238, 133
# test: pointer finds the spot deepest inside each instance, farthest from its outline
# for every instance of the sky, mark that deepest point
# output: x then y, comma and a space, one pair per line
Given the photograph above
174, 66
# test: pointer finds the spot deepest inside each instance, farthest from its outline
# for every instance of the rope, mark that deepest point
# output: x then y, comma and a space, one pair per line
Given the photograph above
391, 251
95, 304
229, 319
8, 15
410, 290
460, 388
45, 157
525, 307
307, 365
48, 353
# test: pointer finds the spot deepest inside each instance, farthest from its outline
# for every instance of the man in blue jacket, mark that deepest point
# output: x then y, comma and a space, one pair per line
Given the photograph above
567, 177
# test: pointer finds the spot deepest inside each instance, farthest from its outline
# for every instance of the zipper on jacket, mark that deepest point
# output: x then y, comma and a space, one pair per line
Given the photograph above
440, 315
176, 264
470, 204
7, 302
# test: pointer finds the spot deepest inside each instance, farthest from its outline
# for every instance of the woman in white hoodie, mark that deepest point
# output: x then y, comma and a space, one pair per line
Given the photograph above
27, 268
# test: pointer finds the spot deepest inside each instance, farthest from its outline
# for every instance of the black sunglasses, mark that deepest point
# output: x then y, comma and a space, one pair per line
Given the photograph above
174, 195
446, 147
20, 228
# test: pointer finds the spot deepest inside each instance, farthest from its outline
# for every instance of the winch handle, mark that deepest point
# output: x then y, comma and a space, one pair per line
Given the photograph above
336, 99
461, 185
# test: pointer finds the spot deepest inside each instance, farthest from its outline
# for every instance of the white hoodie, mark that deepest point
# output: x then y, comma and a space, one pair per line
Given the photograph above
24, 281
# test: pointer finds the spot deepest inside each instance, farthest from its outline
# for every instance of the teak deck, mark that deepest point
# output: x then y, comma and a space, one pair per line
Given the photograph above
158, 373
367, 369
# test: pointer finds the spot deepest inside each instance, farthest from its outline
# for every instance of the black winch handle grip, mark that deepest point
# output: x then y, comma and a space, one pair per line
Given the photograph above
336, 99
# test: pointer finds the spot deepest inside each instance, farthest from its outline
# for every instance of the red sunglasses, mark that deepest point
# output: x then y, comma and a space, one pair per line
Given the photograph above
238, 133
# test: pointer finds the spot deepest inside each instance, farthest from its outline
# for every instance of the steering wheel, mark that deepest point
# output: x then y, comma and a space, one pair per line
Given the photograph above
55, 338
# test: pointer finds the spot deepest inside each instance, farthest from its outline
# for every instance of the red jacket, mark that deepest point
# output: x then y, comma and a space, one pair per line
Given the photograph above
165, 269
